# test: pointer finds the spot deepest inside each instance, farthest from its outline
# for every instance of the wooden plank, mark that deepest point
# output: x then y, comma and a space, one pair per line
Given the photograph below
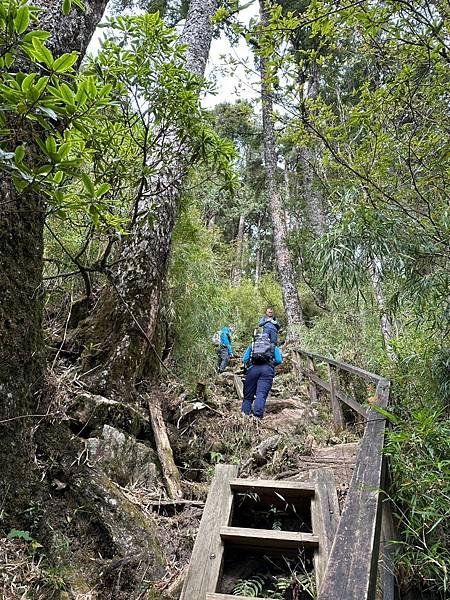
230, 597
352, 567
325, 518
239, 387
342, 365
312, 386
336, 408
289, 489
268, 538
206, 560
387, 549
169, 469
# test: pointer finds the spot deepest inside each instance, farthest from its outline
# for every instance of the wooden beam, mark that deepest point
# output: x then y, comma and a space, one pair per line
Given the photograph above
290, 489
268, 538
351, 402
325, 517
336, 408
169, 469
207, 556
312, 386
352, 567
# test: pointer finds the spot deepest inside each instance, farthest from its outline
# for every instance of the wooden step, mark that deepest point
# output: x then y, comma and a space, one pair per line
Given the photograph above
288, 489
268, 538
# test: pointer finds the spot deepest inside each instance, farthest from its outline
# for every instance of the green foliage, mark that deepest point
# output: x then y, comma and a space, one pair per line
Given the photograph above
195, 279
16, 534
45, 110
419, 448
251, 588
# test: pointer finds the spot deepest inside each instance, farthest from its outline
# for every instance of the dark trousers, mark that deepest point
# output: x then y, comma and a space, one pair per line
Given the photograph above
223, 358
272, 333
257, 384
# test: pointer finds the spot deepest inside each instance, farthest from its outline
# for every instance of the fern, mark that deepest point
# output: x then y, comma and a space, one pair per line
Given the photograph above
249, 588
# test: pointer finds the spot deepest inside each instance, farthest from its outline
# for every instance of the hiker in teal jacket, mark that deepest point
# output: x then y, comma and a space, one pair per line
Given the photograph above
225, 350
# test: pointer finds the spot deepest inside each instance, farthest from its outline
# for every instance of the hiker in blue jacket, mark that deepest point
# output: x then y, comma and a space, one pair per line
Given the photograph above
225, 350
259, 360
270, 325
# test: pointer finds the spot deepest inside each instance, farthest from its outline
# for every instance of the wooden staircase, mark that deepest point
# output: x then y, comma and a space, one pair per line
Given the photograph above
217, 534
352, 553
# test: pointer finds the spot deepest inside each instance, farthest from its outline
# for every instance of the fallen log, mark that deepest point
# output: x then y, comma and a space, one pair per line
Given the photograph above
169, 469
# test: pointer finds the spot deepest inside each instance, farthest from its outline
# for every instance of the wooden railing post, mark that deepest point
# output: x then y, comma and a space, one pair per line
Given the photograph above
312, 386
296, 361
336, 406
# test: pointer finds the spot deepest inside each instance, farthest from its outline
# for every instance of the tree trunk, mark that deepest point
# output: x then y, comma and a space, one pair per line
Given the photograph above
239, 256
124, 322
282, 255
314, 201
386, 324
22, 216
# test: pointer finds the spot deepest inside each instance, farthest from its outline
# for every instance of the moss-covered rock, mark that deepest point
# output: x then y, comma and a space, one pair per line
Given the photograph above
122, 458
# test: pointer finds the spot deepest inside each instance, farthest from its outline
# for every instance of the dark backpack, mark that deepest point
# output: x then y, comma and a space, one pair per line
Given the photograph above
262, 349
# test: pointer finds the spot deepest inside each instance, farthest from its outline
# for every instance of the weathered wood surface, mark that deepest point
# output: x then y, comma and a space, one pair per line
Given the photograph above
170, 471
351, 402
268, 538
336, 408
342, 365
229, 597
290, 489
239, 386
387, 551
325, 518
351, 572
207, 555
311, 385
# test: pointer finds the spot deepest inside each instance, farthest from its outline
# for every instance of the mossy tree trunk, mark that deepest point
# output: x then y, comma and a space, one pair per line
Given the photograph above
124, 322
282, 255
22, 218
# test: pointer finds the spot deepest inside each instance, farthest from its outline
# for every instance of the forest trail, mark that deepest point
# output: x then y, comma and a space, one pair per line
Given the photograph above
268, 537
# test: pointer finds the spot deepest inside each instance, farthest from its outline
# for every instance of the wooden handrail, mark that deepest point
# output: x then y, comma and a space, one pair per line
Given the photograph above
351, 572
367, 375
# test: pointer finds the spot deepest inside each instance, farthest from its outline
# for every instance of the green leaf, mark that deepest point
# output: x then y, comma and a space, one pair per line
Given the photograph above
66, 7
66, 93
26, 83
65, 62
49, 112
9, 59
88, 184
102, 189
42, 53
22, 19
36, 33
50, 145
19, 154
58, 177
